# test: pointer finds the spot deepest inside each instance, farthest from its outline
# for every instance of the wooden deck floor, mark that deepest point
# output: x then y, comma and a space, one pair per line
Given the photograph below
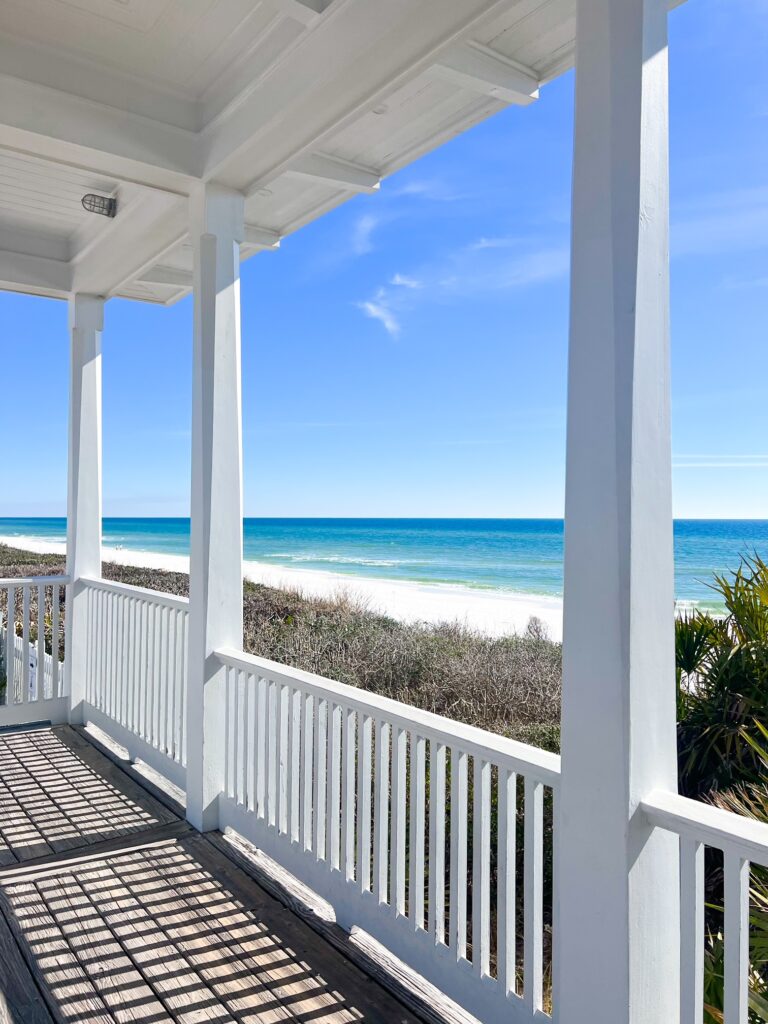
113, 909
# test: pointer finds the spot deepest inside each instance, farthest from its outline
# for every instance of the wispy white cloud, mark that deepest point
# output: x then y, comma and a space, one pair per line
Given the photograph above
379, 309
504, 242
402, 281
433, 189
362, 233
468, 272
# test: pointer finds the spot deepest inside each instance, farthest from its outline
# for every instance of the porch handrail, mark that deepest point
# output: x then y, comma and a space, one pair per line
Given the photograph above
513, 755
713, 826
160, 597
35, 581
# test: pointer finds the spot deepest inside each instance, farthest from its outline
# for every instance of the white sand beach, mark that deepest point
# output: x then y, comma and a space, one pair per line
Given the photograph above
491, 611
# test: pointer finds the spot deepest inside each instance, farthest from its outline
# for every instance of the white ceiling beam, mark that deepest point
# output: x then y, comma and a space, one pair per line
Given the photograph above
147, 222
345, 175
167, 276
305, 11
379, 48
37, 275
124, 91
260, 238
36, 243
256, 239
57, 125
487, 72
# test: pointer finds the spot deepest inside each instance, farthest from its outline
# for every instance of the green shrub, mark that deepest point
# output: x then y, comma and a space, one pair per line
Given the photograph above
722, 670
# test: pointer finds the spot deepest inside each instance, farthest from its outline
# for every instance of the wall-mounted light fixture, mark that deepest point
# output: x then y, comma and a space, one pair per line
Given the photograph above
105, 205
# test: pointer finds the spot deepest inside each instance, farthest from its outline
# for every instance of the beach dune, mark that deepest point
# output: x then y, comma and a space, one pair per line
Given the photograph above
494, 612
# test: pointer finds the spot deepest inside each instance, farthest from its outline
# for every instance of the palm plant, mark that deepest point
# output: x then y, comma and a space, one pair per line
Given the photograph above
722, 669
722, 699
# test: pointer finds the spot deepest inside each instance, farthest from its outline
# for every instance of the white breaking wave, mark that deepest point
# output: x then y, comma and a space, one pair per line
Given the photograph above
342, 559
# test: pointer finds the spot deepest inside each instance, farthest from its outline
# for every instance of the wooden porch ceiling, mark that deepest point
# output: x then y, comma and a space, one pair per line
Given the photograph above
113, 909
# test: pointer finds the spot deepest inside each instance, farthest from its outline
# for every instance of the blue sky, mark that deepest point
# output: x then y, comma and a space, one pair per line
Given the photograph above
406, 354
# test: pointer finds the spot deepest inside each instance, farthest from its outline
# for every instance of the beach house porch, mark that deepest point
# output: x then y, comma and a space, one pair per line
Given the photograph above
456, 866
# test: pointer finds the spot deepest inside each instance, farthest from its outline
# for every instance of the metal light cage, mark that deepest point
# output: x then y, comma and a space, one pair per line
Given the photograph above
104, 205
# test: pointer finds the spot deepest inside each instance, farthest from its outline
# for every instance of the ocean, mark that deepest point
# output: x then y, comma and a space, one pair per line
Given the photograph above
521, 555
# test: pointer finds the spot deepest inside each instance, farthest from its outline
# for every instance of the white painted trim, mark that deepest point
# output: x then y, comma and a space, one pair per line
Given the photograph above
260, 238
55, 711
167, 276
46, 118
142, 593
42, 581
710, 825
137, 748
348, 176
36, 275
482, 70
304, 11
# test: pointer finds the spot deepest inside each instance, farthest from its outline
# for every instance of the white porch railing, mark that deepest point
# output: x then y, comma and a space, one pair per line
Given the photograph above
34, 678
430, 835
743, 842
406, 822
136, 672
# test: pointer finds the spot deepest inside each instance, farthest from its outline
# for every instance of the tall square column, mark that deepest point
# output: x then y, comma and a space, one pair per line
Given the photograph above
618, 943
216, 551
86, 322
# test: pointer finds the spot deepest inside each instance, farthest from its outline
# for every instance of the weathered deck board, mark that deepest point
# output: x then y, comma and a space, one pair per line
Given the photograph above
118, 912
53, 799
20, 1000
167, 932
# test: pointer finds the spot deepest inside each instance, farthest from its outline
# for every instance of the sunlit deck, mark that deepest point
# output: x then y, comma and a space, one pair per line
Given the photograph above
115, 909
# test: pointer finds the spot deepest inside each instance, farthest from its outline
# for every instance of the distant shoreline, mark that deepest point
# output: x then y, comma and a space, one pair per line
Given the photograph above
488, 572
495, 613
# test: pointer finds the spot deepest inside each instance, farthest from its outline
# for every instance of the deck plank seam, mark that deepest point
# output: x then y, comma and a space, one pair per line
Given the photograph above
30, 977
126, 804
250, 920
115, 847
143, 912
46, 797
24, 945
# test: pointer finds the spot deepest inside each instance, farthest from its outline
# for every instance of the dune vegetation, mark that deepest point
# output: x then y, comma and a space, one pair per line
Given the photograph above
510, 685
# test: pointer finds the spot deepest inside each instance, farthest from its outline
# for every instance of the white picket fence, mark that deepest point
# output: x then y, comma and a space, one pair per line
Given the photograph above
388, 811
34, 679
136, 672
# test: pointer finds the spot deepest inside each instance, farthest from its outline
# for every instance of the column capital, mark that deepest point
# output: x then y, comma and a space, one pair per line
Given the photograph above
86, 311
217, 210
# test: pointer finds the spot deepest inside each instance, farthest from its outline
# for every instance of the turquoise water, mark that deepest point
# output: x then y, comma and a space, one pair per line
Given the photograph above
522, 555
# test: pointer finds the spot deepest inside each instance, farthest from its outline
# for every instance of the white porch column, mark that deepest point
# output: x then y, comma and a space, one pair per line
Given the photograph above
618, 887
86, 322
216, 563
